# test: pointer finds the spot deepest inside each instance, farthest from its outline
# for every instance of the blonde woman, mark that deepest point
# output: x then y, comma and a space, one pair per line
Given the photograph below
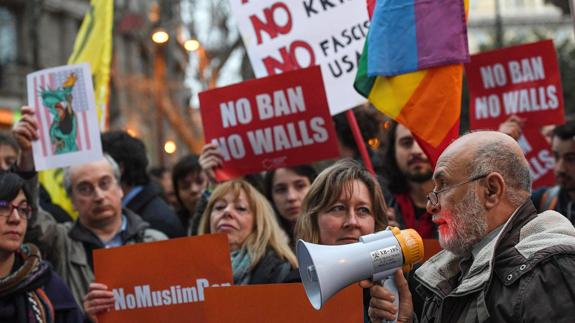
259, 248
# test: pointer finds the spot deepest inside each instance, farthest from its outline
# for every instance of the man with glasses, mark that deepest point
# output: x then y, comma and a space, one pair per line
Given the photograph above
502, 261
102, 223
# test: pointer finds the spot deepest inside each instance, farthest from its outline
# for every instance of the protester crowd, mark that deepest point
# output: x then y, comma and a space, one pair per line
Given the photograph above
502, 261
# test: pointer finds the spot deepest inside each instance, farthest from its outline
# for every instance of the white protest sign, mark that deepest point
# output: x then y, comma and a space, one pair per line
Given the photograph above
64, 105
284, 35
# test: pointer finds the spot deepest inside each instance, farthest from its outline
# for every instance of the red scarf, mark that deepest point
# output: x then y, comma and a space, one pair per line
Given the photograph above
424, 226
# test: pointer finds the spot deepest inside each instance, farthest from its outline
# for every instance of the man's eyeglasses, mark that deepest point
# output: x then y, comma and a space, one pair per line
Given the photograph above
87, 189
23, 209
433, 197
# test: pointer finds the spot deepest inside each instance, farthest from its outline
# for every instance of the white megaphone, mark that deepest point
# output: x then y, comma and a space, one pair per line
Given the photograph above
325, 270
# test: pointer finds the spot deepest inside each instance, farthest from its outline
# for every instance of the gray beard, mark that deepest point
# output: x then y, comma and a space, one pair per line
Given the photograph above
468, 226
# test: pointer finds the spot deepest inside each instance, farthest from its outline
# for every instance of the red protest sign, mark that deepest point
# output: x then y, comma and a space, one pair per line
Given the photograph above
280, 303
267, 123
521, 80
163, 281
540, 157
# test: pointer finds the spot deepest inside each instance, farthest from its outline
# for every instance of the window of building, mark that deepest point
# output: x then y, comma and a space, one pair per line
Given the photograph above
8, 36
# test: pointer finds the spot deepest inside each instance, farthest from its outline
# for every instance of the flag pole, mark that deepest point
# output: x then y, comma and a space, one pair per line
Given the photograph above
359, 140
572, 6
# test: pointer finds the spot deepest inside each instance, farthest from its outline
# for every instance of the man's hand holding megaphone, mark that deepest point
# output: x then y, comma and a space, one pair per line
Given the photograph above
381, 305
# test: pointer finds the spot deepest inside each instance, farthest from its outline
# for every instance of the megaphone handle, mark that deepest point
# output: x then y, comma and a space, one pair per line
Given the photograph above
389, 284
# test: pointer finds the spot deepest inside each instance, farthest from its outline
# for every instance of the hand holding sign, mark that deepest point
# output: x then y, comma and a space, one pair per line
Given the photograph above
25, 132
210, 159
512, 127
98, 300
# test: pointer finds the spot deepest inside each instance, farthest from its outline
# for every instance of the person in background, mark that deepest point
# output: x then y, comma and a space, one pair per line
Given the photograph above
163, 177
408, 174
344, 203
560, 197
499, 254
259, 249
9, 151
30, 291
141, 196
190, 182
95, 191
211, 159
286, 189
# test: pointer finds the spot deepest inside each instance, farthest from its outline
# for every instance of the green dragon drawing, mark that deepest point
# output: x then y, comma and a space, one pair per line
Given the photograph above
64, 125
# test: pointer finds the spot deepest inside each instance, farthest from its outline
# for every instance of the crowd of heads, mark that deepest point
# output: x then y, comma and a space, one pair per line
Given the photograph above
478, 181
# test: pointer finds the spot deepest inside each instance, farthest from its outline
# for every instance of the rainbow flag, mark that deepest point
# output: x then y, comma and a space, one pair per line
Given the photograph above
428, 102
411, 35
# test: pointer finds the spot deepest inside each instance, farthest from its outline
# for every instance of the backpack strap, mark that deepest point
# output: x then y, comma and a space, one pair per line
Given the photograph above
549, 199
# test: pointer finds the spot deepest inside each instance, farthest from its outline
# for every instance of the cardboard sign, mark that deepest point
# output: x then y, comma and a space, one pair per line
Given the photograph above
280, 303
521, 80
268, 123
540, 157
65, 109
163, 281
284, 35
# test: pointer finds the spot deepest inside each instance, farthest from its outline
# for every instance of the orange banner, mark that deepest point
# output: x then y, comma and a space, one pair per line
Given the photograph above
164, 281
280, 303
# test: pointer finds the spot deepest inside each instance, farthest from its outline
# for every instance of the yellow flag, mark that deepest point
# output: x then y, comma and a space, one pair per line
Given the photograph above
93, 45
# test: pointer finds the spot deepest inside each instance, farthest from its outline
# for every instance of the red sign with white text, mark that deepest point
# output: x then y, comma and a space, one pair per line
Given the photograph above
267, 123
164, 281
540, 157
521, 80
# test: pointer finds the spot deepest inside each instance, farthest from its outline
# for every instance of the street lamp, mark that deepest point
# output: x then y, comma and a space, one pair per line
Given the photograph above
191, 45
170, 147
160, 36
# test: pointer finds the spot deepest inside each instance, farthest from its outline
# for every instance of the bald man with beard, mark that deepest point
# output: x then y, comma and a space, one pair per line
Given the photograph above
502, 261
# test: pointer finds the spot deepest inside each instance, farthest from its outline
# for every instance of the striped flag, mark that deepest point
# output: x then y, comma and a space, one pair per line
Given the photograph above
428, 101
411, 35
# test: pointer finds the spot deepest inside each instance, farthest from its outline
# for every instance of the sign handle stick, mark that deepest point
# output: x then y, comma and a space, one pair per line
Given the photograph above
572, 5
359, 140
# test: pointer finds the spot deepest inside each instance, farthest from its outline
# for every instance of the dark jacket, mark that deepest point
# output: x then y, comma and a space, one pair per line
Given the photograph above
68, 246
32, 291
65, 308
554, 198
524, 274
150, 205
270, 269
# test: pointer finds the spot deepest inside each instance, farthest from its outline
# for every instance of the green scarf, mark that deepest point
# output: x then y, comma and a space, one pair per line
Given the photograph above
241, 266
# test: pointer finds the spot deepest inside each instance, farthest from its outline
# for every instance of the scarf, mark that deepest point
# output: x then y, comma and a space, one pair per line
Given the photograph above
241, 266
21, 296
424, 226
